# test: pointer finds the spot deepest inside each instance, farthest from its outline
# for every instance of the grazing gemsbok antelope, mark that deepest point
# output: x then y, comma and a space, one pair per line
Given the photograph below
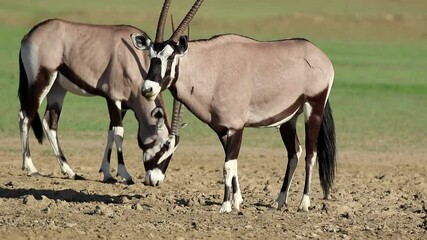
57, 56
231, 82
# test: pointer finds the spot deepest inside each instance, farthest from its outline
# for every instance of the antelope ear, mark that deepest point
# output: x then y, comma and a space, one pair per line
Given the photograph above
140, 41
183, 44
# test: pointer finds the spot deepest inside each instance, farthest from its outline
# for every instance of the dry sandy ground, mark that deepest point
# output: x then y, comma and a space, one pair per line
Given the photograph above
376, 196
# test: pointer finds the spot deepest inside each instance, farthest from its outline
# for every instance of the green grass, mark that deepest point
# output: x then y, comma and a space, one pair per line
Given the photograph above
378, 48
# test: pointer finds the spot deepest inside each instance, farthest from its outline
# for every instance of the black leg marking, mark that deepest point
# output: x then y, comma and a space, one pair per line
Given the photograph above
234, 184
290, 139
227, 193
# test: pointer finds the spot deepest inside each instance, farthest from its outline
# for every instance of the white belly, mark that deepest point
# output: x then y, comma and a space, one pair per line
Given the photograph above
71, 87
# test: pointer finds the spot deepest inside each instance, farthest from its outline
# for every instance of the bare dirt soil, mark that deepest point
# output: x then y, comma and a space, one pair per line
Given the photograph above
376, 196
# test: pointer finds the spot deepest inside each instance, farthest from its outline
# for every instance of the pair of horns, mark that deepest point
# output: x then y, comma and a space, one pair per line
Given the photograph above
182, 26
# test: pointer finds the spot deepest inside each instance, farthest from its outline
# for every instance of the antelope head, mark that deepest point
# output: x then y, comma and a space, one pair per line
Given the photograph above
158, 154
164, 55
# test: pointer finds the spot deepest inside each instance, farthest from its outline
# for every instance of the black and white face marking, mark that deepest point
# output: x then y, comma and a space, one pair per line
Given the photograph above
158, 149
164, 61
162, 70
156, 160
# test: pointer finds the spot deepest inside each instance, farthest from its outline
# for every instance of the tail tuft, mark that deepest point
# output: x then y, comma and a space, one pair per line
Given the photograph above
326, 147
36, 124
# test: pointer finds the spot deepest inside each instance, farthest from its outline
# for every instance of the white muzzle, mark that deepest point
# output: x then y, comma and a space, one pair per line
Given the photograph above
150, 89
154, 177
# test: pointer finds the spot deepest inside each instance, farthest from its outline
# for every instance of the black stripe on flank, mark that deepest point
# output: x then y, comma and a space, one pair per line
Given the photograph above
78, 81
280, 116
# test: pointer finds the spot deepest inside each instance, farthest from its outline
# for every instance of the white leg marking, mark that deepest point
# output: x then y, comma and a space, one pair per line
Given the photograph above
237, 197
226, 207
29, 166
305, 201
307, 111
230, 171
118, 104
118, 133
118, 138
27, 163
51, 134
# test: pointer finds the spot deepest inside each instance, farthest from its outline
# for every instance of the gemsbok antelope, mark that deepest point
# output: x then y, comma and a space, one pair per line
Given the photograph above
231, 82
57, 56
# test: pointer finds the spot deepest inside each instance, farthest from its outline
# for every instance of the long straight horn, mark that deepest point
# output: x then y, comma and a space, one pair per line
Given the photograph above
184, 24
162, 21
176, 117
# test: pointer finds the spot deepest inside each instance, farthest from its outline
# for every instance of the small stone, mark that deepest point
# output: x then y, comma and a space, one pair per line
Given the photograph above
46, 210
248, 227
29, 200
345, 215
70, 225
137, 206
52, 224
125, 200
104, 210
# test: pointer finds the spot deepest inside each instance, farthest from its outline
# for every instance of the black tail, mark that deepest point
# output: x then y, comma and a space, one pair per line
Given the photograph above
23, 92
326, 151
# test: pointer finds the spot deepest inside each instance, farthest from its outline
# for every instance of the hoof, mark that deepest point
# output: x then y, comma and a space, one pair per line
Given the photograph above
110, 180
226, 207
78, 177
305, 204
276, 206
127, 182
35, 174
303, 210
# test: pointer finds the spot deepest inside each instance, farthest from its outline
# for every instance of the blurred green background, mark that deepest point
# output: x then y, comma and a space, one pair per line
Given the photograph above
378, 48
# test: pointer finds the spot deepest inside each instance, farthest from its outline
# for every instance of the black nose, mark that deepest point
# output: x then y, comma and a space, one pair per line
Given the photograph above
146, 90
